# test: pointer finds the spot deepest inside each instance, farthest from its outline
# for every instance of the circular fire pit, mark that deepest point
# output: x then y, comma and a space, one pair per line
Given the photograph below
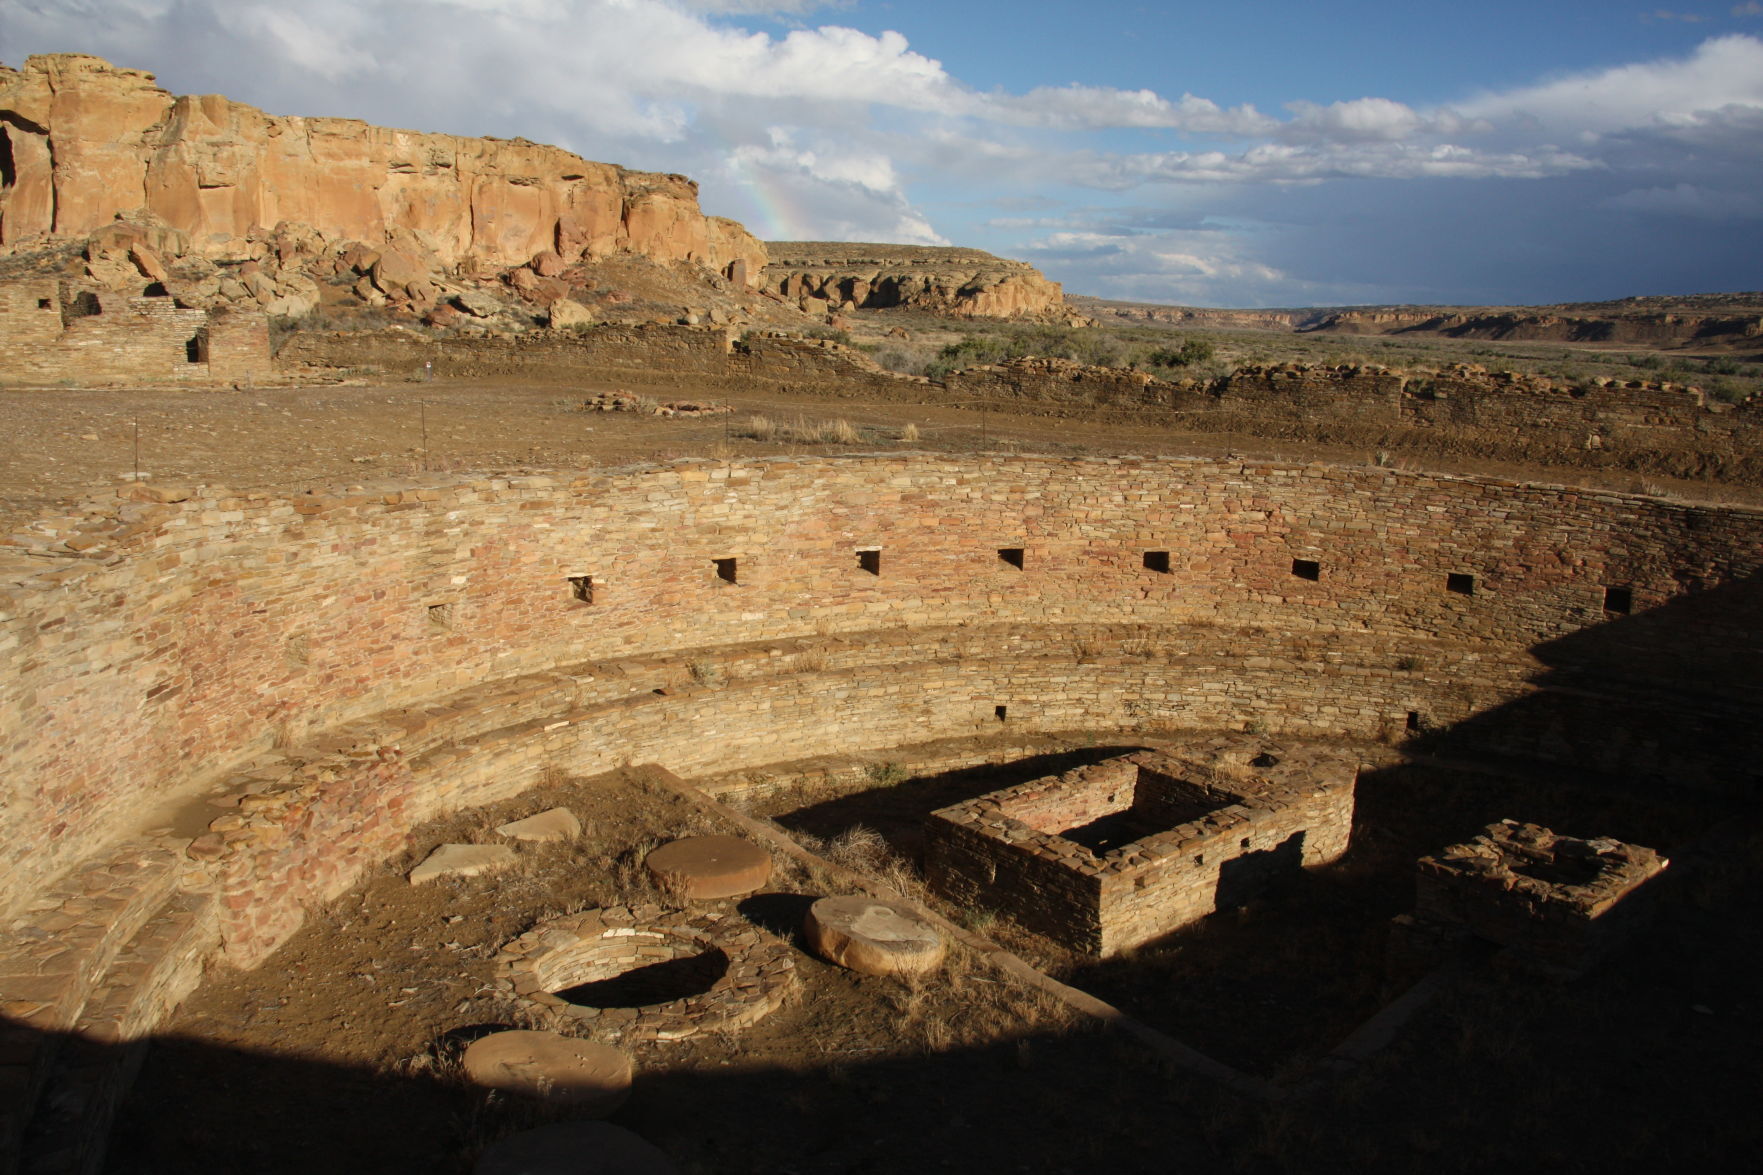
647, 974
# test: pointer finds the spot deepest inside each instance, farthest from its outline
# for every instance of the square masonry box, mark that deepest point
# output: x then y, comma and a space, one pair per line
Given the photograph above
1108, 856
1558, 904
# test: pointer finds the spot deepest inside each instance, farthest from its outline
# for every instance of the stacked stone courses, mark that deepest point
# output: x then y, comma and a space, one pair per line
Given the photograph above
268, 674
1558, 904
1208, 828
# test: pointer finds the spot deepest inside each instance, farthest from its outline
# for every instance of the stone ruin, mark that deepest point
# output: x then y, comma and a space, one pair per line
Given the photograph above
1103, 858
1557, 904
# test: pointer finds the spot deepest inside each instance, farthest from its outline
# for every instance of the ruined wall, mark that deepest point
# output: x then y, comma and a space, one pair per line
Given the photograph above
51, 332
89, 140
165, 644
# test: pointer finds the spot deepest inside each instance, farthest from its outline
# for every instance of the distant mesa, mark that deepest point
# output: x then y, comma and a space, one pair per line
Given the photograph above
1698, 320
962, 283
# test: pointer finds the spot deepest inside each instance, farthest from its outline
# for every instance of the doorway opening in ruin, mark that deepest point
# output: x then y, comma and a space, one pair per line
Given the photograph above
85, 305
155, 290
1157, 561
196, 348
870, 560
725, 570
1619, 600
1307, 569
1460, 583
8, 166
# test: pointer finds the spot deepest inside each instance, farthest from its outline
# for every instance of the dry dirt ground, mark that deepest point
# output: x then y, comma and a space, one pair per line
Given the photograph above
55, 445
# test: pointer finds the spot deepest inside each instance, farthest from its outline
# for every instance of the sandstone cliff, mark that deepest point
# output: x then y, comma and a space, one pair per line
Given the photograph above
965, 283
83, 142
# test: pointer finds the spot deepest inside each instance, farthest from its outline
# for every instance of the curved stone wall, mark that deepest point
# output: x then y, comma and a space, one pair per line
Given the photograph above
354, 663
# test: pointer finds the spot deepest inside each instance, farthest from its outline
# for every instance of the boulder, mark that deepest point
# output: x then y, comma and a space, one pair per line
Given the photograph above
554, 825
709, 867
462, 861
593, 1078
873, 937
566, 312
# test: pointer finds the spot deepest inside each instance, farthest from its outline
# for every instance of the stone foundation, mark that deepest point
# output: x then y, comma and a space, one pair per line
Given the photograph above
1558, 904
1109, 856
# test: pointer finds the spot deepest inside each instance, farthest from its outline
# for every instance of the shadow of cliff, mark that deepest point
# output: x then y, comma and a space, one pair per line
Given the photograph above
1667, 696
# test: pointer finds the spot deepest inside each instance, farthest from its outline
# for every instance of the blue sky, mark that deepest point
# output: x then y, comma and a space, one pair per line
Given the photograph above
1252, 154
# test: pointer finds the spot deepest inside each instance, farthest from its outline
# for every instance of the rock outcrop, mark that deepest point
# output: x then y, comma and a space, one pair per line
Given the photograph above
84, 142
963, 283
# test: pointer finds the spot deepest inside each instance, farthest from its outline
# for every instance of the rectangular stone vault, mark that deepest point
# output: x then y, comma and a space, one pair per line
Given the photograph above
1106, 857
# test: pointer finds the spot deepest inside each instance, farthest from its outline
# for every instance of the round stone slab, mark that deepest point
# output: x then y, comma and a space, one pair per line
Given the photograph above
873, 936
710, 867
574, 1148
594, 1078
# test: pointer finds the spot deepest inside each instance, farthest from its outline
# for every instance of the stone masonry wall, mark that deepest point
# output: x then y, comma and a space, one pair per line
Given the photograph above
165, 641
50, 332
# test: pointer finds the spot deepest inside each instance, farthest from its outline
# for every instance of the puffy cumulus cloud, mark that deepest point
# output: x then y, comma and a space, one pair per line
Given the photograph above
825, 191
1722, 73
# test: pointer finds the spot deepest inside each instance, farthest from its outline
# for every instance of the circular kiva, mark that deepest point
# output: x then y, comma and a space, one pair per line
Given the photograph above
873, 936
564, 953
574, 1148
593, 1078
701, 867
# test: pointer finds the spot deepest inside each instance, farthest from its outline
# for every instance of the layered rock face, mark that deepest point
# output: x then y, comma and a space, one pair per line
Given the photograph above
965, 283
83, 141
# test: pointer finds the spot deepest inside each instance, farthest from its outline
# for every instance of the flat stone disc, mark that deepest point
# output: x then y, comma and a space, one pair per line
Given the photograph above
593, 1078
710, 867
873, 936
574, 1148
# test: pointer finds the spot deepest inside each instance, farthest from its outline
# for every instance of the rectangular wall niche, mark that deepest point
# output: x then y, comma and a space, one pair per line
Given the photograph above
582, 588
1112, 855
1461, 583
1157, 561
869, 559
725, 570
1015, 556
1307, 569
440, 615
1619, 600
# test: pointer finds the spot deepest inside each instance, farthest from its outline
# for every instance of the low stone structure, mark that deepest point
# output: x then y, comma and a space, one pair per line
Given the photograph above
564, 953
53, 331
1106, 857
1558, 904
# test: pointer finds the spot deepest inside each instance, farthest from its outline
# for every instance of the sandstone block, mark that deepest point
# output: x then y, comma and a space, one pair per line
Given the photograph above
592, 1078
872, 936
462, 861
703, 867
554, 825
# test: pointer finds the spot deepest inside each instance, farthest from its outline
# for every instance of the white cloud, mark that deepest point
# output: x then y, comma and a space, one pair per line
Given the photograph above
1722, 72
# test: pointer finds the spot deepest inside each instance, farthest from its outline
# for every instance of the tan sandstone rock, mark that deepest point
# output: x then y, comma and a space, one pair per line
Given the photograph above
704, 867
556, 824
462, 861
592, 1078
872, 936
91, 140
